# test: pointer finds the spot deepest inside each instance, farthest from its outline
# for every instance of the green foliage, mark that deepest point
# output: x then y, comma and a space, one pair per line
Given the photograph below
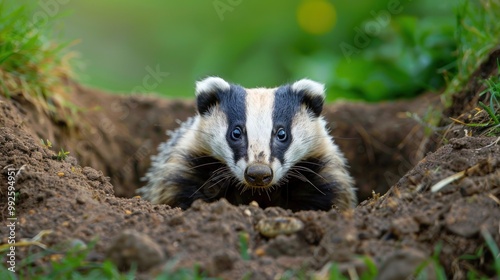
73, 263
488, 123
369, 273
432, 262
400, 61
32, 65
495, 251
30, 59
6, 274
335, 273
478, 256
243, 238
413, 52
62, 155
407, 58
46, 144
493, 108
182, 274
69, 263
371, 269
478, 32
74, 266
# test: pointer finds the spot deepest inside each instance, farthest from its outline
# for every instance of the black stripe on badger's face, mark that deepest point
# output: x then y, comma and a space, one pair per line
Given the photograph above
233, 104
286, 105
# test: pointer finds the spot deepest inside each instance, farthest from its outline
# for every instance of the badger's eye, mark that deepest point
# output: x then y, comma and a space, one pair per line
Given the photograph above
281, 135
236, 133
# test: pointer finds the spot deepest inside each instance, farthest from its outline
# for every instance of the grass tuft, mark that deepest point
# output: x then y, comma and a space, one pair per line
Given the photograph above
493, 108
478, 33
495, 251
62, 155
70, 260
65, 263
47, 143
485, 120
433, 263
32, 66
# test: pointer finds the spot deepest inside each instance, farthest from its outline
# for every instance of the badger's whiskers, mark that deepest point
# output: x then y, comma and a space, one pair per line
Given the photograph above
219, 175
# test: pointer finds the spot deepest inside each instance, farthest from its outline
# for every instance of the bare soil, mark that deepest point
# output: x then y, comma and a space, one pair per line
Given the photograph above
91, 194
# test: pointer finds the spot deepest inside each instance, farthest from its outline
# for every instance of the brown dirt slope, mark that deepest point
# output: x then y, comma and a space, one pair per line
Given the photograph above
398, 231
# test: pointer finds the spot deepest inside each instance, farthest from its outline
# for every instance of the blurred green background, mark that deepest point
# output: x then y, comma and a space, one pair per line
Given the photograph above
363, 49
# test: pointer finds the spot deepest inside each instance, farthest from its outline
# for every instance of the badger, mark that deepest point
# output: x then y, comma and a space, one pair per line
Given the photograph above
269, 145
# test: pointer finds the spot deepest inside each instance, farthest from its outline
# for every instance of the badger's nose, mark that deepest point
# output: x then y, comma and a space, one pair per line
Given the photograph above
258, 174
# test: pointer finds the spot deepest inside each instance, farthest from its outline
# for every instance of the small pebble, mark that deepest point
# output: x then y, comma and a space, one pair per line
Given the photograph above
247, 213
271, 227
254, 204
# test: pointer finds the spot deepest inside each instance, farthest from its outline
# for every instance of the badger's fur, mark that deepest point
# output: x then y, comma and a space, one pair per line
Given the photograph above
265, 145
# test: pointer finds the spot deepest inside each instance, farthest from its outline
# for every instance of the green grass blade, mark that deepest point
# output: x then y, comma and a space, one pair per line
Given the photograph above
490, 242
490, 112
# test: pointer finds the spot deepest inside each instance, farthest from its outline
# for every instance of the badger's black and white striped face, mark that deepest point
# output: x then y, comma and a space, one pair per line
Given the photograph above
260, 133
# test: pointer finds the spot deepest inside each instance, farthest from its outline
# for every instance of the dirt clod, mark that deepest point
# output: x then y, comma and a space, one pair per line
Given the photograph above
403, 264
467, 221
133, 248
222, 261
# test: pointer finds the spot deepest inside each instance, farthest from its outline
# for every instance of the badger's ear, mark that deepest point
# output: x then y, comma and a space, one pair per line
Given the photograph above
207, 93
313, 94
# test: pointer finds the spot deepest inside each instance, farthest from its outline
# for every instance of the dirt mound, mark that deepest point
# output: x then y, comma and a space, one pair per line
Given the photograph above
399, 231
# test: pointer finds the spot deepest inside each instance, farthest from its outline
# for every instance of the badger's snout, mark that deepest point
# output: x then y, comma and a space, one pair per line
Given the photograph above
258, 175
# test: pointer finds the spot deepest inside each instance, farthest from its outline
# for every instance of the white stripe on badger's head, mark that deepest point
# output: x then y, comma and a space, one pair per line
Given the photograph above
309, 87
264, 129
259, 125
313, 94
207, 91
259, 128
211, 84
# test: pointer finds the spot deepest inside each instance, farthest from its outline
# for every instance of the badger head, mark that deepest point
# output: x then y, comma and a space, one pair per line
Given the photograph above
260, 133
